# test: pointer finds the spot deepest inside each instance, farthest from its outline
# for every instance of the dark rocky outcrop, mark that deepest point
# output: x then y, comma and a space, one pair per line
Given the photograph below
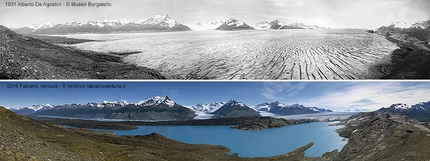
420, 111
267, 122
155, 112
384, 136
412, 59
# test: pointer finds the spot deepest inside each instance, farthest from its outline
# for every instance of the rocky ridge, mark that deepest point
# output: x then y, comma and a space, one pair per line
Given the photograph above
420, 111
384, 136
266, 123
156, 108
410, 61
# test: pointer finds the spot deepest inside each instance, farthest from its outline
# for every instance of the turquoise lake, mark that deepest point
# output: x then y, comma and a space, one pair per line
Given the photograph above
261, 143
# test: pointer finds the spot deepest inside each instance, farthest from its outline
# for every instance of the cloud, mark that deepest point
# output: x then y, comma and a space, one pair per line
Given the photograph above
371, 96
277, 90
295, 89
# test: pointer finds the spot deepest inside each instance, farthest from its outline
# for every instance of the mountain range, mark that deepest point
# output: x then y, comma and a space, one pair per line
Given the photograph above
420, 111
419, 30
163, 108
234, 24
278, 25
156, 23
282, 109
206, 25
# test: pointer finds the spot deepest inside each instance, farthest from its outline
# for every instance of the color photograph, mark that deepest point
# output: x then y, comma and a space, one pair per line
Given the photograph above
245, 120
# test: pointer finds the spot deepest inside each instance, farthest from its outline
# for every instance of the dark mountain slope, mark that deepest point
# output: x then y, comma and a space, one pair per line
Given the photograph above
24, 57
420, 111
234, 109
411, 60
78, 111
155, 112
384, 136
233, 24
155, 108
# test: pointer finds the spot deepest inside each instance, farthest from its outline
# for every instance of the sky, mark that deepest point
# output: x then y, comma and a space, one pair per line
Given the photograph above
326, 13
334, 95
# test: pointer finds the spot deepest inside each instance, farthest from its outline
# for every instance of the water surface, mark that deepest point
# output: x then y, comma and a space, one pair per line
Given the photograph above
261, 143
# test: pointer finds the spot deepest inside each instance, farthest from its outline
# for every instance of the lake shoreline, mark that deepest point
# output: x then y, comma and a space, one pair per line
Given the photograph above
242, 123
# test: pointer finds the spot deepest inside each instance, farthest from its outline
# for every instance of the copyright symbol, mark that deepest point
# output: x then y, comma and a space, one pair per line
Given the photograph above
64, 86
68, 4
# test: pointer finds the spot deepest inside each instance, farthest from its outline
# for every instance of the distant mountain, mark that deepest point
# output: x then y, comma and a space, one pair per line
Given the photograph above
32, 109
233, 109
209, 108
233, 24
410, 60
419, 30
298, 25
152, 24
262, 25
278, 25
206, 25
420, 111
156, 108
163, 108
89, 110
282, 109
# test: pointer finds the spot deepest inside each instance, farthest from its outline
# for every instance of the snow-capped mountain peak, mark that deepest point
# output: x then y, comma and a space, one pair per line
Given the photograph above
208, 107
40, 107
400, 106
234, 22
421, 25
156, 101
163, 20
207, 25
36, 26
400, 24
233, 102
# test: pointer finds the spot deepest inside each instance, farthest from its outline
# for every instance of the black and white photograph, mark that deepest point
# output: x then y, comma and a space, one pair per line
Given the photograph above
215, 39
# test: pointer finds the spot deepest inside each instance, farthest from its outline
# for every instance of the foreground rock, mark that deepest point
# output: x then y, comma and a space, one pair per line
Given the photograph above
384, 136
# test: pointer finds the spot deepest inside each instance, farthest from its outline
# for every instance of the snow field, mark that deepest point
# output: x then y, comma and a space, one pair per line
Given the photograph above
268, 54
